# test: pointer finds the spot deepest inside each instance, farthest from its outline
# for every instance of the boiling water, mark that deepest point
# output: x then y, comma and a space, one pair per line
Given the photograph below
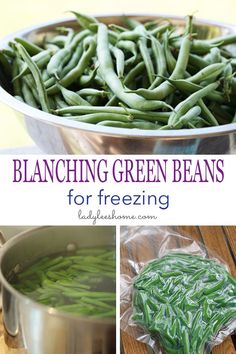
81, 282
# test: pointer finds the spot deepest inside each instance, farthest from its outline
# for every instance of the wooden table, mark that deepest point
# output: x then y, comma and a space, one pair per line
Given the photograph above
222, 240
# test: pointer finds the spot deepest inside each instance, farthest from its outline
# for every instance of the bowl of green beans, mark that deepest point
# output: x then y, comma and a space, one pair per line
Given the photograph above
124, 84
60, 281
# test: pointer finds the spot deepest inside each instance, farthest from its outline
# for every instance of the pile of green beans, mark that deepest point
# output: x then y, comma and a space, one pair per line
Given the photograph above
183, 301
82, 284
151, 75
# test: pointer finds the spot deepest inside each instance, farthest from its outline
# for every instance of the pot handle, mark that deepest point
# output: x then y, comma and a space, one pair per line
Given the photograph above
2, 241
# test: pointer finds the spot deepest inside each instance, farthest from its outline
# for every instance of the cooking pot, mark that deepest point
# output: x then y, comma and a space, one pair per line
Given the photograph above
41, 329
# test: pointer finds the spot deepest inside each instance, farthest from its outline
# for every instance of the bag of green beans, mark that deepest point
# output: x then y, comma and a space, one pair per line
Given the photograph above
176, 295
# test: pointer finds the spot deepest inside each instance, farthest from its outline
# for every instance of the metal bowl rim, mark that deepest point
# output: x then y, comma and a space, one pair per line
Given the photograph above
62, 122
27, 300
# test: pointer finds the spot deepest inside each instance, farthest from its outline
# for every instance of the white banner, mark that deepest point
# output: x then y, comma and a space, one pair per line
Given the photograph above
117, 190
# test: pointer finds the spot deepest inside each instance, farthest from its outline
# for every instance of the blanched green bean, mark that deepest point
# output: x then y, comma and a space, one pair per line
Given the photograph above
86, 291
178, 308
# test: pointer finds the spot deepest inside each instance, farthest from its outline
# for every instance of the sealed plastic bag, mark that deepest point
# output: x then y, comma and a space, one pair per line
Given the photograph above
176, 295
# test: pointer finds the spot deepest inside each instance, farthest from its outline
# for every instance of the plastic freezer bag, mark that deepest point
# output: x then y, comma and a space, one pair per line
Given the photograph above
176, 295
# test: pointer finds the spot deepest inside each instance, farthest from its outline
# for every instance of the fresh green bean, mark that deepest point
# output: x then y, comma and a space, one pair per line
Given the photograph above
120, 61
31, 48
109, 76
166, 88
75, 73
135, 124
92, 92
159, 56
85, 21
72, 98
207, 113
142, 44
28, 96
152, 116
37, 77
99, 117
73, 61
41, 59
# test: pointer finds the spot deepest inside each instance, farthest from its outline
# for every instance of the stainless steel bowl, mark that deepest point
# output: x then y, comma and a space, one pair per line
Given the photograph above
41, 329
59, 136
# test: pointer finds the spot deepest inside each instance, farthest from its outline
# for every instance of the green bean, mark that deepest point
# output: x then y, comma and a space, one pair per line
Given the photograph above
16, 83
204, 46
28, 96
92, 92
188, 117
9, 53
197, 61
78, 70
128, 46
215, 55
31, 48
72, 98
120, 61
160, 62
99, 117
135, 124
117, 28
152, 116
37, 77
129, 35
207, 113
73, 61
45, 75
160, 29
86, 80
85, 21
169, 58
134, 72
50, 82
210, 72
142, 44
189, 87
57, 61
111, 79
131, 22
40, 59
166, 88
59, 40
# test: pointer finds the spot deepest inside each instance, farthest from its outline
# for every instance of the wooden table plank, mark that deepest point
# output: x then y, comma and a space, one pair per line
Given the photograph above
222, 241
215, 239
230, 231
